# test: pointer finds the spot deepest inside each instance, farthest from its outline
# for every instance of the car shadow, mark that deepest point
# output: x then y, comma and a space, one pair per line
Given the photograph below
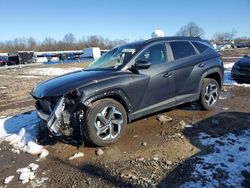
191, 106
216, 126
13, 124
44, 137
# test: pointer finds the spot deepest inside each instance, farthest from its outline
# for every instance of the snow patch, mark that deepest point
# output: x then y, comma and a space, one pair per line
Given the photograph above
52, 71
43, 154
27, 173
223, 97
26, 176
27, 76
228, 65
38, 182
76, 155
8, 179
222, 167
33, 166
21, 131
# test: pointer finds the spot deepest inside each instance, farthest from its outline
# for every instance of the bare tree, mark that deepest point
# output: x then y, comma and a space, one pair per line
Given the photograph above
233, 34
20, 43
31, 43
220, 37
191, 30
68, 42
69, 38
243, 39
47, 44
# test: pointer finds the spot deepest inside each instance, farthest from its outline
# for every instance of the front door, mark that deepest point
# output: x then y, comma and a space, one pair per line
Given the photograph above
160, 86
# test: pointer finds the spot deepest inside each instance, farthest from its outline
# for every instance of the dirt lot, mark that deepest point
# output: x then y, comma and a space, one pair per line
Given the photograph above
150, 154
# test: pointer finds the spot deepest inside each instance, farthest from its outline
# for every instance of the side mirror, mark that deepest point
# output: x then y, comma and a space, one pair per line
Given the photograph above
140, 64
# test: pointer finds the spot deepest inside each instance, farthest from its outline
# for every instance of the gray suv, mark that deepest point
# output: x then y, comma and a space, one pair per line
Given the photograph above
128, 82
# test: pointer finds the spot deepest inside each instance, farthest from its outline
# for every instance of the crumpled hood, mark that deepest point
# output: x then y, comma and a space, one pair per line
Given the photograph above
64, 84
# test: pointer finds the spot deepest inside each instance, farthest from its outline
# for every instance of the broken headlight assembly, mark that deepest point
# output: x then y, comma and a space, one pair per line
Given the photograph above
55, 119
60, 114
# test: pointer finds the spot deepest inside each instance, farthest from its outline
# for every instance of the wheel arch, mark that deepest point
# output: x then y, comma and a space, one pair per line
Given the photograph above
117, 95
216, 74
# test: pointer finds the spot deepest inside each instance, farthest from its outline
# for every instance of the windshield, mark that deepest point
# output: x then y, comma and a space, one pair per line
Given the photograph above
114, 58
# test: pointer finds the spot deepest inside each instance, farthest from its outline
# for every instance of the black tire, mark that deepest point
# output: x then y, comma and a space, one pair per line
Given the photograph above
92, 120
204, 99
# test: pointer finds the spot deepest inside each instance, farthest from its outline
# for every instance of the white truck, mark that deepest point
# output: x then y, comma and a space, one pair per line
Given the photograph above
93, 52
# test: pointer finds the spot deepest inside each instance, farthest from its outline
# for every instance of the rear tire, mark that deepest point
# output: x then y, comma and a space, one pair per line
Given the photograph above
105, 122
209, 94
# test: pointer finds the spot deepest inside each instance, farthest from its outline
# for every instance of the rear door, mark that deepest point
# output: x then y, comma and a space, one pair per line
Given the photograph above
187, 69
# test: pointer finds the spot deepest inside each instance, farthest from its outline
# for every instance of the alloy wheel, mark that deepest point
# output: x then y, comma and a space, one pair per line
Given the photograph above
211, 94
108, 123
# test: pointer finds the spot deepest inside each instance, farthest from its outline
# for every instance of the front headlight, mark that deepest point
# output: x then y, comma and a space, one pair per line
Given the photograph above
59, 107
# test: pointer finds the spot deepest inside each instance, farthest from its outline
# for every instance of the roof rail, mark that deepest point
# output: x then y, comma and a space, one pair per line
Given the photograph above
171, 38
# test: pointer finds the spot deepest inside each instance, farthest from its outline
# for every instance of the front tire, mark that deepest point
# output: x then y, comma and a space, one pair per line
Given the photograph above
105, 122
209, 95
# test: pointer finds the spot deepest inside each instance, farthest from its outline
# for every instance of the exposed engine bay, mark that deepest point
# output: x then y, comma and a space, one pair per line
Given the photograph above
61, 114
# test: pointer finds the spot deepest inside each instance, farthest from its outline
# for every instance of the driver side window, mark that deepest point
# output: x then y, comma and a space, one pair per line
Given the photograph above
155, 54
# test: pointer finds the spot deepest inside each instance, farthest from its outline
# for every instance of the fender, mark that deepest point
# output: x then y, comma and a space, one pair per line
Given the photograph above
117, 94
217, 70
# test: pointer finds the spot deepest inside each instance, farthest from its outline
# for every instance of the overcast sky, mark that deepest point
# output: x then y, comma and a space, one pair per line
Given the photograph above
116, 19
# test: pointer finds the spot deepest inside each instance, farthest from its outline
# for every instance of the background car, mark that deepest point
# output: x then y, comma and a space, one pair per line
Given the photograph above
3, 60
241, 70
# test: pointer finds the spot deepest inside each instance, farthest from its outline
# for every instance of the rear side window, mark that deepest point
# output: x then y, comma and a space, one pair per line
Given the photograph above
200, 47
182, 49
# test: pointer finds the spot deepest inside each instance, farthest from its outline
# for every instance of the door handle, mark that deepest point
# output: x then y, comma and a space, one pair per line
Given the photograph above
201, 65
168, 75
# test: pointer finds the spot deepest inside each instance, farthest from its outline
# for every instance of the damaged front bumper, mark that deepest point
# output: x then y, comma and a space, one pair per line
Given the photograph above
54, 120
63, 115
